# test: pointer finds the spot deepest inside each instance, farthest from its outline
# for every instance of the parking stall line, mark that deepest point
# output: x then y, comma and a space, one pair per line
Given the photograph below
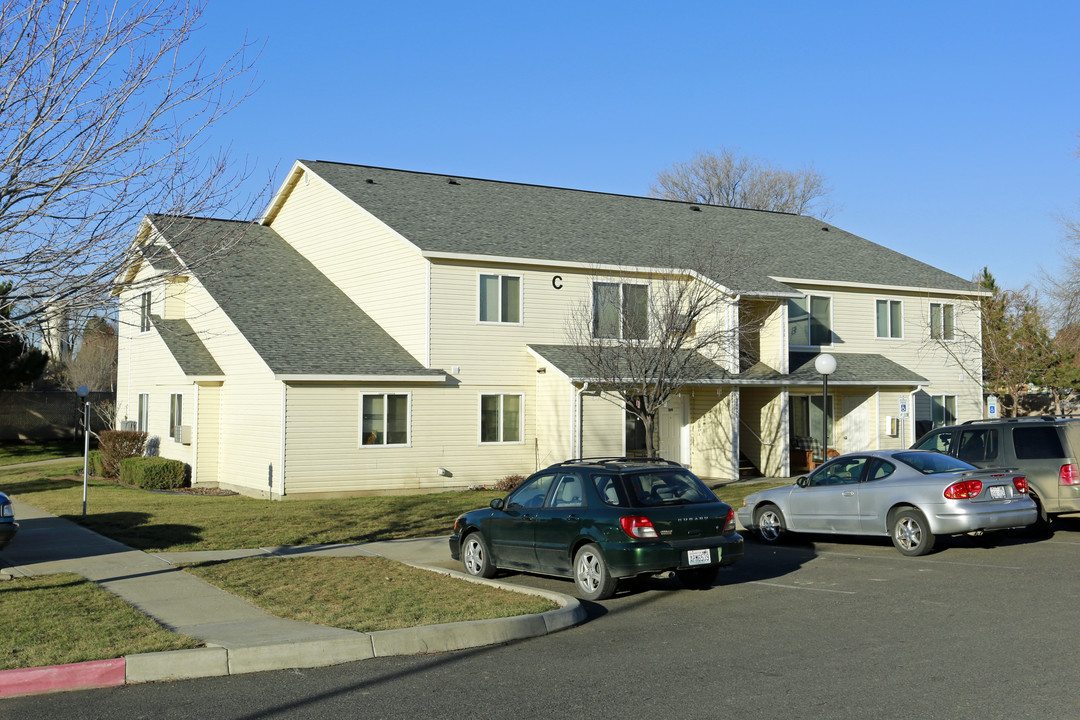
801, 587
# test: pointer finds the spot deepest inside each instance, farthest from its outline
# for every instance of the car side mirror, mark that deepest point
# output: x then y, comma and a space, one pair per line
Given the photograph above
803, 481
497, 504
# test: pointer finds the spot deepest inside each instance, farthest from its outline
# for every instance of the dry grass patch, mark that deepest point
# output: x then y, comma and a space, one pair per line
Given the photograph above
365, 594
58, 619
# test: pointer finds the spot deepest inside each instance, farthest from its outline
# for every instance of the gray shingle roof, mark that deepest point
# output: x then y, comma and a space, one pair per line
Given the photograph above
568, 360
441, 213
851, 369
298, 321
186, 347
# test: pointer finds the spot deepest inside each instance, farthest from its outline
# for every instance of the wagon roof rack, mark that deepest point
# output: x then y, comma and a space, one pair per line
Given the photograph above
617, 460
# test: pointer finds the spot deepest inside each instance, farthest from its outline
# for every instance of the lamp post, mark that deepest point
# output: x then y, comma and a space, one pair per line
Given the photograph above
826, 365
83, 392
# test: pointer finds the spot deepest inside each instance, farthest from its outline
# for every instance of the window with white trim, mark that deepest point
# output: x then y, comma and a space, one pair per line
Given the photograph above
943, 410
942, 321
890, 319
176, 415
145, 309
810, 321
384, 419
620, 311
144, 412
500, 298
500, 418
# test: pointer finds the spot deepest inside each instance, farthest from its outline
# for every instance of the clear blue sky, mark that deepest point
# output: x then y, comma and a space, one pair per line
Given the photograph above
948, 130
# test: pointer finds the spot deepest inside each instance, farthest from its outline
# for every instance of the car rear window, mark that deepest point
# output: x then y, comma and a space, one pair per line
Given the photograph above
1036, 443
929, 463
668, 487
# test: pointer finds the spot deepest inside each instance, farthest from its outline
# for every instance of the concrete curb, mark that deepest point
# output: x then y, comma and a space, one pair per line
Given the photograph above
219, 661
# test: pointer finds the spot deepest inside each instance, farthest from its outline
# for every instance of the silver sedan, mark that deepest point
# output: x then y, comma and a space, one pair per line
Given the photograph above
910, 495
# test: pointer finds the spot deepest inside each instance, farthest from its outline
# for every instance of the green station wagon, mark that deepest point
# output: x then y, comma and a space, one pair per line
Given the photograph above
599, 520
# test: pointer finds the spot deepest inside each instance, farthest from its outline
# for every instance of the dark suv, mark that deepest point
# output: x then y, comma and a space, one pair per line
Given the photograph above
1045, 448
598, 520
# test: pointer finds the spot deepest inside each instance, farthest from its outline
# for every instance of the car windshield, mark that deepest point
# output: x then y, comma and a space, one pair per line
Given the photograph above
668, 487
929, 463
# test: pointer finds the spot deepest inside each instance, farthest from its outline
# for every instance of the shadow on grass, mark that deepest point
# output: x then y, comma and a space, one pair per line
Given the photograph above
134, 530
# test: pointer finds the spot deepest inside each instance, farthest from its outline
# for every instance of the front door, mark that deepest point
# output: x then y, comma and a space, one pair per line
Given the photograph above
855, 425
672, 419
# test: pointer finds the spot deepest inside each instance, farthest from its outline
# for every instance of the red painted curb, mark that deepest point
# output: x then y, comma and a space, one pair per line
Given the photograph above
74, 676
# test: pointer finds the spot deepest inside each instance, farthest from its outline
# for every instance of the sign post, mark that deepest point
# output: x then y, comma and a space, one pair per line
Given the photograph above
902, 413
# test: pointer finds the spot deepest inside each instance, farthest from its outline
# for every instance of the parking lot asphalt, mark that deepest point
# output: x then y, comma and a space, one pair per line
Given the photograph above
817, 628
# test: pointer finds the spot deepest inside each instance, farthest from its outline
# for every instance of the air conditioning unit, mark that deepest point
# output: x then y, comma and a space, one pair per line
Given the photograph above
129, 425
185, 434
892, 426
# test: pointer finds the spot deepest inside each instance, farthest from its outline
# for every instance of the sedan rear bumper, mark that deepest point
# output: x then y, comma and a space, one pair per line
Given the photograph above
956, 519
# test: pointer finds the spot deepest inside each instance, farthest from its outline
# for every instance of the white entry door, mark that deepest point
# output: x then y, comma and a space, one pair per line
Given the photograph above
855, 426
673, 434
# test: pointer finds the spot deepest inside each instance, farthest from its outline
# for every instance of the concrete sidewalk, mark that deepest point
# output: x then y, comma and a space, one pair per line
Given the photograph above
240, 637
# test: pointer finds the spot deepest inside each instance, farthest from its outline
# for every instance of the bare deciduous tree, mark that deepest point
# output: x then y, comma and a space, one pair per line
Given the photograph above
104, 113
93, 363
646, 335
723, 178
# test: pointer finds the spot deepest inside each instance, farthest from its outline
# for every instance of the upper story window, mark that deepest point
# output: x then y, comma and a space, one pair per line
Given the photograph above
500, 298
810, 321
942, 321
620, 311
890, 319
384, 419
144, 313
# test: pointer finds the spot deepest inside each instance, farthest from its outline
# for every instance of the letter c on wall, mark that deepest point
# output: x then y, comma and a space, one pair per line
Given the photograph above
556, 282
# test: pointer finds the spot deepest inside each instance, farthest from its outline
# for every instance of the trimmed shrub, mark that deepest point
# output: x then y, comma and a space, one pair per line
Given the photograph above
117, 445
509, 482
97, 466
153, 473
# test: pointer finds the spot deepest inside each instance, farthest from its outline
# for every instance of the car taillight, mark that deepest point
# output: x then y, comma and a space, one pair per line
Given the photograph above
1069, 475
638, 526
1020, 483
964, 490
729, 525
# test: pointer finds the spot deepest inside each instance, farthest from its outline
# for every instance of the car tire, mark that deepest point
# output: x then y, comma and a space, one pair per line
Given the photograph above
475, 556
770, 524
1041, 526
910, 533
591, 574
697, 578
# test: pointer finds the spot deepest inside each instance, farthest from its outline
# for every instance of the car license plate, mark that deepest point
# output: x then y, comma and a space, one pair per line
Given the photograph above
698, 557
997, 492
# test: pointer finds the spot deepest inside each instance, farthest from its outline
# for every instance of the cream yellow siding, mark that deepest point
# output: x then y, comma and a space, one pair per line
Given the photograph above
555, 417
207, 433
324, 453
379, 271
712, 433
603, 425
762, 436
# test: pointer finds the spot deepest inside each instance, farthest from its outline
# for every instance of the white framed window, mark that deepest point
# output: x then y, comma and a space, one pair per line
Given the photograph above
942, 321
890, 318
620, 311
145, 308
810, 321
943, 410
500, 418
385, 419
500, 299
144, 412
176, 415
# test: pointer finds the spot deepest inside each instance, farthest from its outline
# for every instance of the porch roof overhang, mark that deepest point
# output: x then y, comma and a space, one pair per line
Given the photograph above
852, 369
187, 349
569, 360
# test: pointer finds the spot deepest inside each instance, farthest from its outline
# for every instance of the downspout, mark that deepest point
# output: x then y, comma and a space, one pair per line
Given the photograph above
579, 415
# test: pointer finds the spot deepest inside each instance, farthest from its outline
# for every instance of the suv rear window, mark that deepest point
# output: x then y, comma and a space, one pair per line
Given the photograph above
1037, 443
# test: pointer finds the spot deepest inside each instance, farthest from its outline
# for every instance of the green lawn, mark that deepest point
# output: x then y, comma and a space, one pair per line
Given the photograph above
57, 619
12, 452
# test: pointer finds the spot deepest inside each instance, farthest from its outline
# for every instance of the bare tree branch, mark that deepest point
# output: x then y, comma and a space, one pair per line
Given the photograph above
104, 115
